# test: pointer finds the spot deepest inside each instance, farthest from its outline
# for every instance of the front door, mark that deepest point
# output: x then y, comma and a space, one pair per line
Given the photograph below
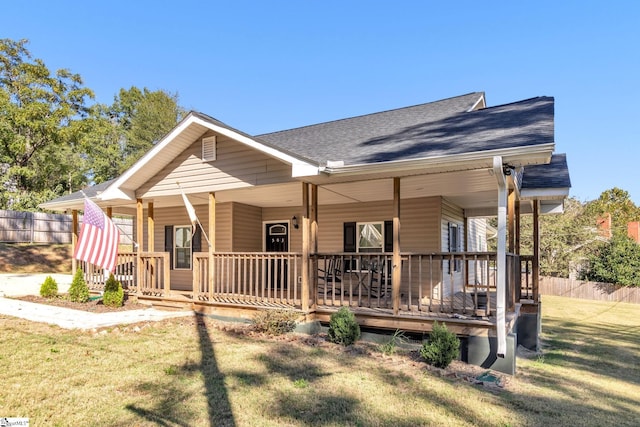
277, 240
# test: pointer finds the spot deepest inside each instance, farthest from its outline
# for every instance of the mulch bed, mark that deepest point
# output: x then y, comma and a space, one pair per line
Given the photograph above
93, 306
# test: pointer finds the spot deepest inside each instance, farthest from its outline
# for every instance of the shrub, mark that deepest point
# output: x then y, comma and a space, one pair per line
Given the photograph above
275, 322
441, 347
49, 288
79, 291
343, 328
113, 294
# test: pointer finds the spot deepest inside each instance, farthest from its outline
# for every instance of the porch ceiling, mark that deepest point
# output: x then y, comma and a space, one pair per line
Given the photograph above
468, 189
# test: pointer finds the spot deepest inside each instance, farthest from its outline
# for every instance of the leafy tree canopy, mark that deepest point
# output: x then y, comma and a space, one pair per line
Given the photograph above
616, 261
38, 110
127, 129
619, 205
53, 142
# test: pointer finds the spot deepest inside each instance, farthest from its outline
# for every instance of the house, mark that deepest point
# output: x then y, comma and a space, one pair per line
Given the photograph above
382, 212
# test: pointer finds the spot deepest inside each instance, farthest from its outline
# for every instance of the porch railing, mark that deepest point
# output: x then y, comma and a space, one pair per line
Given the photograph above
528, 286
451, 282
255, 277
155, 278
125, 273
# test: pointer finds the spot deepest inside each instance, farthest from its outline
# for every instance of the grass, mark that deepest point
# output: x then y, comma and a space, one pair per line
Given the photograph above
196, 371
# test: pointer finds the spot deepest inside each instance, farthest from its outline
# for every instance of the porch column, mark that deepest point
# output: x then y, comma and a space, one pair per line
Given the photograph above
511, 221
517, 226
150, 228
139, 241
212, 239
535, 265
396, 261
74, 240
501, 257
305, 248
313, 217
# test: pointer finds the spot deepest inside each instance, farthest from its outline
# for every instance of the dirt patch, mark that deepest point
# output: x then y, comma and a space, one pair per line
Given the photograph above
95, 306
29, 258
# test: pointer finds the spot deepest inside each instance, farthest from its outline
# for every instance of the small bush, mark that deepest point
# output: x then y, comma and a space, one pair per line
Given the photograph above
343, 328
113, 293
49, 288
275, 322
442, 346
79, 291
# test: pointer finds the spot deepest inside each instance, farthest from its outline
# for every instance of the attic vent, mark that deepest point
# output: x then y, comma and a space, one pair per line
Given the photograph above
209, 149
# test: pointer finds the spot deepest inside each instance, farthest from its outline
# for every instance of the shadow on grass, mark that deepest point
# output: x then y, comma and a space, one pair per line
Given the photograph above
605, 350
169, 411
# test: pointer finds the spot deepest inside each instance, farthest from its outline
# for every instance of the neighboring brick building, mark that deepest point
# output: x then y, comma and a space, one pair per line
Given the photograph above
604, 227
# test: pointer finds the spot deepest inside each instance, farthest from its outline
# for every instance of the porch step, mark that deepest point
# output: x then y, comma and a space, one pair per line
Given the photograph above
171, 305
165, 304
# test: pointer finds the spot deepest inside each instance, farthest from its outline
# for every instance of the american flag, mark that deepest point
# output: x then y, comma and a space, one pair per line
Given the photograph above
99, 237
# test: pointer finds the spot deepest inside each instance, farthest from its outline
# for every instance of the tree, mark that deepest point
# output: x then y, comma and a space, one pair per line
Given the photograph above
38, 110
619, 205
123, 132
616, 261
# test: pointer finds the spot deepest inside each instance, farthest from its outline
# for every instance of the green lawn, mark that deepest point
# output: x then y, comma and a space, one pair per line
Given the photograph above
198, 372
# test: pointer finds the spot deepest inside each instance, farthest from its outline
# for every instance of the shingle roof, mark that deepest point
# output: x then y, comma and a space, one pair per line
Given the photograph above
435, 129
552, 175
90, 192
354, 139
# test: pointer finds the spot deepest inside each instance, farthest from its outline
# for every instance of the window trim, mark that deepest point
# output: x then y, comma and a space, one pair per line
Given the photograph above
382, 241
175, 248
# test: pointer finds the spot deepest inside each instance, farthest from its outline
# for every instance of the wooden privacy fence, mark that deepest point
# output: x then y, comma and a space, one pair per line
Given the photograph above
38, 227
588, 290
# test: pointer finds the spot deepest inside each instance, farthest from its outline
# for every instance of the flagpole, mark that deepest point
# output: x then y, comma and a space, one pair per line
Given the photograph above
192, 213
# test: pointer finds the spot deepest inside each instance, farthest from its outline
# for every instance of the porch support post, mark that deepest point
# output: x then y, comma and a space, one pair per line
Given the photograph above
150, 228
139, 240
517, 227
501, 257
212, 240
313, 217
305, 247
511, 221
74, 240
396, 261
535, 267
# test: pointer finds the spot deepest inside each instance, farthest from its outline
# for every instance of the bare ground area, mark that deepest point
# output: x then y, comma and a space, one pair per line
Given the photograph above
95, 306
32, 258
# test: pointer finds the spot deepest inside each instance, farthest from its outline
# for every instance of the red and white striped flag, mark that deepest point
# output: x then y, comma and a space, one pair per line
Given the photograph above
99, 237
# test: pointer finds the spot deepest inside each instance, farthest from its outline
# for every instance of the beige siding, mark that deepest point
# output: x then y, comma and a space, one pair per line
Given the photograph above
236, 166
419, 219
247, 228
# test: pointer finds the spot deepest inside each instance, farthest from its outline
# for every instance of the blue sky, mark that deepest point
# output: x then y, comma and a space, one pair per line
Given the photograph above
263, 66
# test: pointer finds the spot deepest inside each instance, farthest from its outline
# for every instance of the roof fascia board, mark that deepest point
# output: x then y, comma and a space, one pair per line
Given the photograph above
475, 160
544, 193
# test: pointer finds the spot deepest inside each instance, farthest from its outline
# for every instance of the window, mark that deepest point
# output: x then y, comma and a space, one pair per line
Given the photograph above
370, 237
454, 244
182, 247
